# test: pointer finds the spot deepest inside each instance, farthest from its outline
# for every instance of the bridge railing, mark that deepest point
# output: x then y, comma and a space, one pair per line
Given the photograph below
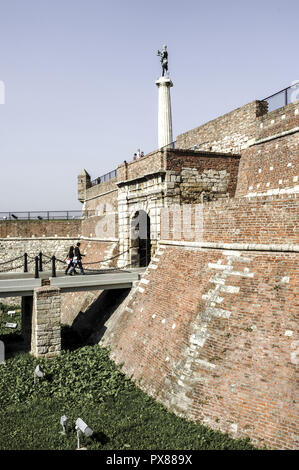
41, 260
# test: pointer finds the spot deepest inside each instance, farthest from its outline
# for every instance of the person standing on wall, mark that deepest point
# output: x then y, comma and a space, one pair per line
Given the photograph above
77, 260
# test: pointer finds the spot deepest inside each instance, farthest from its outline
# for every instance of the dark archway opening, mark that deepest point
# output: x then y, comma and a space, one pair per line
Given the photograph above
140, 239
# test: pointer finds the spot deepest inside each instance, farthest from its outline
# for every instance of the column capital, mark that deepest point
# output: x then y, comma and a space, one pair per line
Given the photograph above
164, 81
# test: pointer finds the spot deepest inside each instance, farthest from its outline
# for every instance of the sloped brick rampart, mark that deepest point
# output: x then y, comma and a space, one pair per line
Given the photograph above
212, 334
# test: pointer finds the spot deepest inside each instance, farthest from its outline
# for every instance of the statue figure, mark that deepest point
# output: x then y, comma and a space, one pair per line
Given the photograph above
164, 59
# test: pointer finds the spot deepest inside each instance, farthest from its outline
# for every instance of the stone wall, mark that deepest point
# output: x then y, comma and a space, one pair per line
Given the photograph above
40, 228
190, 174
101, 197
212, 334
11, 248
260, 220
271, 164
228, 133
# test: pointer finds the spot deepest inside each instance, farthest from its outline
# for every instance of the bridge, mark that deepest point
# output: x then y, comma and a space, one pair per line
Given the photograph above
23, 284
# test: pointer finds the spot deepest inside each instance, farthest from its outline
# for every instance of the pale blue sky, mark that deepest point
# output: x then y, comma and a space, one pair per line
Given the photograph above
80, 81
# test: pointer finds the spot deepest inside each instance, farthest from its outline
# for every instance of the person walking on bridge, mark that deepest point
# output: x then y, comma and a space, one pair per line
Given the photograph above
69, 259
77, 260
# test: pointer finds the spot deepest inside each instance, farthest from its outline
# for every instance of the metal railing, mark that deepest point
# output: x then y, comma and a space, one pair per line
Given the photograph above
101, 179
45, 215
171, 145
283, 97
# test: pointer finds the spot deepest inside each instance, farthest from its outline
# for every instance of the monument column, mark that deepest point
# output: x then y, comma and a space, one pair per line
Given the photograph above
164, 113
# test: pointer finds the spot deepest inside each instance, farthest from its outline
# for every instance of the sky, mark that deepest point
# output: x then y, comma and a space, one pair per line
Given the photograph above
79, 79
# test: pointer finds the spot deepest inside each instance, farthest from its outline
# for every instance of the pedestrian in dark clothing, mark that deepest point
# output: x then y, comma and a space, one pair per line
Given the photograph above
69, 259
77, 260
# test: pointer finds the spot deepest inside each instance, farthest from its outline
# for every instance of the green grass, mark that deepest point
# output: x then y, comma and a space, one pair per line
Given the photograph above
9, 334
86, 383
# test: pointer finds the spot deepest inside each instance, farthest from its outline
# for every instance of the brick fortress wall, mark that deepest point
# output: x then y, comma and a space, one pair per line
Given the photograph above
212, 334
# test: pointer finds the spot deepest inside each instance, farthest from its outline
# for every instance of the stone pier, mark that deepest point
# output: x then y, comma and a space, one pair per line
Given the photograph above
46, 329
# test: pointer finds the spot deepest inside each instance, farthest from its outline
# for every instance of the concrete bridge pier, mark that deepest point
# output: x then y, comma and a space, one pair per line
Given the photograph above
41, 321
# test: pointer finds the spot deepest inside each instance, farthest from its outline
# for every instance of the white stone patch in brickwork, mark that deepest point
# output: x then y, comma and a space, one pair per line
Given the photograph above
234, 427
258, 185
154, 315
271, 168
283, 116
261, 125
206, 364
295, 179
288, 333
267, 184
216, 280
260, 170
285, 279
296, 111
163, 321
272, 121
230, 289
231, 253
153, 266
280, 182
199, 338
218, 266
276, 146
250, 188
140, 289
289, 164
144, 281
218, 312
167, 359
212, 294
173, 326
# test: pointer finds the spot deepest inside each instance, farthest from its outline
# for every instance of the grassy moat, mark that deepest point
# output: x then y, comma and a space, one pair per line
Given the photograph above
85, 383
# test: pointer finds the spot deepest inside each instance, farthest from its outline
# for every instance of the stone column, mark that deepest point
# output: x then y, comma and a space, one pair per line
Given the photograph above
164, 113
46, 330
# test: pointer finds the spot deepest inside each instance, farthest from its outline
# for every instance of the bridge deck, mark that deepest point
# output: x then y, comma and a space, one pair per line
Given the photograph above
23, 285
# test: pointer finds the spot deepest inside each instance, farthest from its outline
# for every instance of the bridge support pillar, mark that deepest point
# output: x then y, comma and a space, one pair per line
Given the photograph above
46, 329
27, 303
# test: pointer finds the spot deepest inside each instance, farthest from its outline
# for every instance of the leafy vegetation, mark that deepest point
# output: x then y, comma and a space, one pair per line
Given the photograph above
86, 383
5, 332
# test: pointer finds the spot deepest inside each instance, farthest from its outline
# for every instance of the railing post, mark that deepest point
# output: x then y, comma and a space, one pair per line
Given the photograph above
53, 266
36, 275
286, 96
25, 263
40, 261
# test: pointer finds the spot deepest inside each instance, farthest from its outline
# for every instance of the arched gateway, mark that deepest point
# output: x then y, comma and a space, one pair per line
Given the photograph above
140, 239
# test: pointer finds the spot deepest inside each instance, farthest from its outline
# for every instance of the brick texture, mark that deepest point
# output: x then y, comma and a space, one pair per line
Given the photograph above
211, 334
